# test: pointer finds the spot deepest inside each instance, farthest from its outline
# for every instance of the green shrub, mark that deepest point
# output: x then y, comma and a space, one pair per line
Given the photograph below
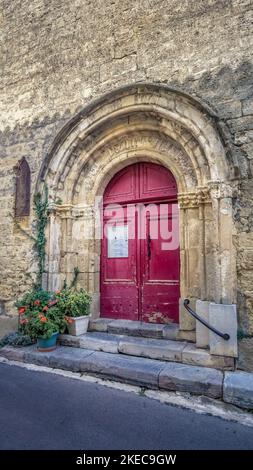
39, 315
42, 313
15, 339
73, 303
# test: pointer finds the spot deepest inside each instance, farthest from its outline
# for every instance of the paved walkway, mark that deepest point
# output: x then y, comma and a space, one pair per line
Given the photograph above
47, 411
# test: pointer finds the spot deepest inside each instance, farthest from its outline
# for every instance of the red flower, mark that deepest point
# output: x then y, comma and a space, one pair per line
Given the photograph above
37, 302
45, 308
43, 319
25, 320
52, 302
57, 292
21, 310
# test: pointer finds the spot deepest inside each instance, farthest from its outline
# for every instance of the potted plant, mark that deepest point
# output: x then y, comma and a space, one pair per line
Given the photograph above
40, 318
75, 306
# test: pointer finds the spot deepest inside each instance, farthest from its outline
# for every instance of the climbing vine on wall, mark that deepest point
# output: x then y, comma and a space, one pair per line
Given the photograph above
41, 207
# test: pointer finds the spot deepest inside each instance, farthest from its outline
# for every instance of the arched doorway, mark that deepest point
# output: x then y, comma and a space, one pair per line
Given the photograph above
140, 263
134, 124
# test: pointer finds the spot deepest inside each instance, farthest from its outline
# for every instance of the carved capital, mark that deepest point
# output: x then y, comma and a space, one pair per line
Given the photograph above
69, 211
220, 190
191, 200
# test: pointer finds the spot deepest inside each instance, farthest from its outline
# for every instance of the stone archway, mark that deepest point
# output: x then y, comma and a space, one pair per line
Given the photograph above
133, 124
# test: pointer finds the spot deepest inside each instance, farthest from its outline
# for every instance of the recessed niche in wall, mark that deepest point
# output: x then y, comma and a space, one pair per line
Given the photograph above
23, 189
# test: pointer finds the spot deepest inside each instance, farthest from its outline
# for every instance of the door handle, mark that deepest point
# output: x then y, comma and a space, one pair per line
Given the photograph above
149, 246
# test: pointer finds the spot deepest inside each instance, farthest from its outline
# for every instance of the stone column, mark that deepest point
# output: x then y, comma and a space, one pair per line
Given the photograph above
189, 257
225, 272
52, 279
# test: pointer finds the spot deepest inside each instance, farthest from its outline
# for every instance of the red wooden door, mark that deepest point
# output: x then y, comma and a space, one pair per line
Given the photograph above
139, 274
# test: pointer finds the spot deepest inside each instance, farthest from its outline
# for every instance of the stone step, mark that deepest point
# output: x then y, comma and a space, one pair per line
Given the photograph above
141, 329
139, 371
159, 349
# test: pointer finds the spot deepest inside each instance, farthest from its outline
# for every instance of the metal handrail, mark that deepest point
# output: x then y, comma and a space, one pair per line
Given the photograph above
225, 336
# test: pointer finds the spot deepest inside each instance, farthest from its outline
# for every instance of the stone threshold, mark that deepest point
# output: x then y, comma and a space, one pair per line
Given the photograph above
159, 349
141, 329
231, 387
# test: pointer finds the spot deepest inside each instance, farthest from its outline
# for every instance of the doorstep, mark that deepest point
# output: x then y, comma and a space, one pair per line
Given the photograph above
159, 349
141, 329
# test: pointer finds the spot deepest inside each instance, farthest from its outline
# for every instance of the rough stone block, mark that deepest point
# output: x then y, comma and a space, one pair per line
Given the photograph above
136, 328
152, 348
186, 321
170, 331
100, 342
11, 353
189, 336
100, 324
247, 107
196, 380
238, 389
139, 371
33, 356
8, 324
69, 340
223, 318
68, 359
245, 360
202, 332
202, 357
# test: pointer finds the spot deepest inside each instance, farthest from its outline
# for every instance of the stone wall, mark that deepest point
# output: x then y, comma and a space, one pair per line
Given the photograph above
56, 57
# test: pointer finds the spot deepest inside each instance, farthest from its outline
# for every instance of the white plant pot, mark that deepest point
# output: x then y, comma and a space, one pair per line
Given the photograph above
79, 325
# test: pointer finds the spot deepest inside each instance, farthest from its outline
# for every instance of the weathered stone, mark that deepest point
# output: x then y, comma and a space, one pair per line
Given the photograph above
196, 380
238, 389
136, 328
68, 358
186, 321
202, 332
186, 136
69, 340
11, 353
33, 356
247, 106
170, 331
100, 324
152, 348
224, 319
133, 370
189, 336
202, 357
100, 342
245, 360
8, 324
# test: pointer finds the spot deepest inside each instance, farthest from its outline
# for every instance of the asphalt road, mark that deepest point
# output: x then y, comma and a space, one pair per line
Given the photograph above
47, 411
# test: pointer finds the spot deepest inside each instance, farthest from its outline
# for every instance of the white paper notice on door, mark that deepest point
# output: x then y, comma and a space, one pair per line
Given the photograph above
117, 241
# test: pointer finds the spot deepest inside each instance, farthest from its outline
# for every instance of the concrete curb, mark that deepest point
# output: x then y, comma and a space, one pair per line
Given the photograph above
233, 387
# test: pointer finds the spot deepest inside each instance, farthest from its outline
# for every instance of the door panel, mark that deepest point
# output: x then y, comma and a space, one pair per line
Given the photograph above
119, 286
160, 267
156, 181
139, 274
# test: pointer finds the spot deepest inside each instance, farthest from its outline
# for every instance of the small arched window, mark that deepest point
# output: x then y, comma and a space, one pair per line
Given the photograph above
23, 189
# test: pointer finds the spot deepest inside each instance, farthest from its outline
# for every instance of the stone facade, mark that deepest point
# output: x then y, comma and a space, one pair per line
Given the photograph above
91, 86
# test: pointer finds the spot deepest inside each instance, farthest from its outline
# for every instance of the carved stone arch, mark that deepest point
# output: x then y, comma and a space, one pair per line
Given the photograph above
143, 122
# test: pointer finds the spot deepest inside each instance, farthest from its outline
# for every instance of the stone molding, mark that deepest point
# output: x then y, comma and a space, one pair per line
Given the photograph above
191, 200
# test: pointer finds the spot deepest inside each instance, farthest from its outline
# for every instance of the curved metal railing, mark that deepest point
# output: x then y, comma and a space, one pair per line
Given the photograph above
225, 336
